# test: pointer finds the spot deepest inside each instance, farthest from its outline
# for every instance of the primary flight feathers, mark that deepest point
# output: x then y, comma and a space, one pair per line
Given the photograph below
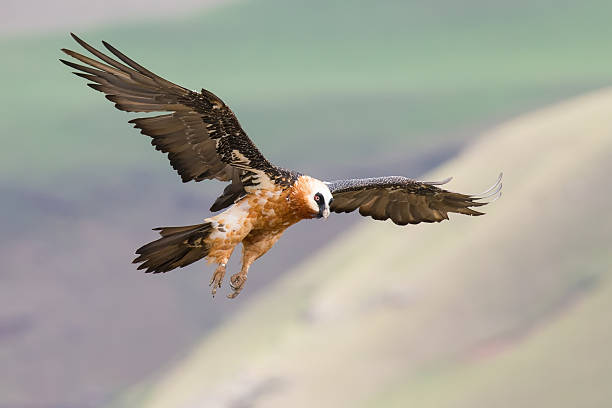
202, 136
204, 140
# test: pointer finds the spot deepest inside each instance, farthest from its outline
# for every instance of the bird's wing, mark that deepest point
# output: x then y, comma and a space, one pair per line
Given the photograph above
200, 133
405, 201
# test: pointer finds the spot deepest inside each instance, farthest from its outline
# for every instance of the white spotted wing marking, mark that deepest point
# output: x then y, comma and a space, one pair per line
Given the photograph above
240, 160
258, 178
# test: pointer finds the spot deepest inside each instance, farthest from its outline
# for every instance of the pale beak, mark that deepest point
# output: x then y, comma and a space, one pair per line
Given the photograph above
326, 212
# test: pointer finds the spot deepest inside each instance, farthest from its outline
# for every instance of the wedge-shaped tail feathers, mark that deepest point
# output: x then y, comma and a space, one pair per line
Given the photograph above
178, 247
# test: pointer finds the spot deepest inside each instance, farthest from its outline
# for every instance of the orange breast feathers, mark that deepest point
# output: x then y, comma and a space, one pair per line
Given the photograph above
268, 211
280, 208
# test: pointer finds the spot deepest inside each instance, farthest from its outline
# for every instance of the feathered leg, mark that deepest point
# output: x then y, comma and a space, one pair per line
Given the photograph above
254, 246
221, 258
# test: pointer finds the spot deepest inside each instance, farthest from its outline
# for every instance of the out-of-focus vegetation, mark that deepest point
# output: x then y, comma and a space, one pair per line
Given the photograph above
334, 88
311, 81
509, 309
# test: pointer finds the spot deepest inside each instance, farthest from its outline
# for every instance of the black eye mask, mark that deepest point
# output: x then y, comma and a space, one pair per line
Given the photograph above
321, 202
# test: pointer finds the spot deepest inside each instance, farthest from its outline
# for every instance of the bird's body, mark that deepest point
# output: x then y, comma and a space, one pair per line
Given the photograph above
256, 221
204, 140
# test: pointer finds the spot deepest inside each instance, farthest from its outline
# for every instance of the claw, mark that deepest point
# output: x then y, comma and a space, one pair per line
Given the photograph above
237, 282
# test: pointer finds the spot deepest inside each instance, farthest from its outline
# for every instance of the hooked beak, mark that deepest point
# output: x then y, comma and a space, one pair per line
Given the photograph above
324, 209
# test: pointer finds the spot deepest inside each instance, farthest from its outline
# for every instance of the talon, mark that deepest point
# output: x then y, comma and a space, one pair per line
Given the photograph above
236, 284
235, 281
214, 289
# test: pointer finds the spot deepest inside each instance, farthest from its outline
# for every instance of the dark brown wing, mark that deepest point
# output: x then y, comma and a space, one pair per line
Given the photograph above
201, 134
403, 200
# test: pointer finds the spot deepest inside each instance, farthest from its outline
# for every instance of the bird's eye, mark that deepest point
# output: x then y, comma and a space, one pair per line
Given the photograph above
317, 198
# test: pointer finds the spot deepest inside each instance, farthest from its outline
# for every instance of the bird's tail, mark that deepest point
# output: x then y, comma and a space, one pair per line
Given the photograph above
178, 247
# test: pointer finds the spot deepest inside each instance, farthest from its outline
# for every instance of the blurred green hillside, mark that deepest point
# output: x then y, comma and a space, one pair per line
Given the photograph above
312, 82
510, 309
333, 88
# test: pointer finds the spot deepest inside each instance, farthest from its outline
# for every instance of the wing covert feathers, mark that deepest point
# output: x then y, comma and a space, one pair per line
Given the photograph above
406, 201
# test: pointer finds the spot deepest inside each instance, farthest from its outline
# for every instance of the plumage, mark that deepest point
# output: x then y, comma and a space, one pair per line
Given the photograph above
403, 200
203, 140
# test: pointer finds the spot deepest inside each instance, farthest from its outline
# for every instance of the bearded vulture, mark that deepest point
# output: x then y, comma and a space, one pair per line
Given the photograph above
203, 141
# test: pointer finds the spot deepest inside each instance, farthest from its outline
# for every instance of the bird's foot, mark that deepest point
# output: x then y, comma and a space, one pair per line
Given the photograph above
237, 282
217, 279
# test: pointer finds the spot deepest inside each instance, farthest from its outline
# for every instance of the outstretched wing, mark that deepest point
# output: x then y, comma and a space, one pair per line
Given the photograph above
201, 134
403, 200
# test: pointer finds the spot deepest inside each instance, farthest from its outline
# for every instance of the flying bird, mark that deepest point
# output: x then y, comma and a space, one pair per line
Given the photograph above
204, 140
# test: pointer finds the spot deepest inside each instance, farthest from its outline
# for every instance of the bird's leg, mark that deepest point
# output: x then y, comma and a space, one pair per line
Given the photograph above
254, 245
217, 278
220, 257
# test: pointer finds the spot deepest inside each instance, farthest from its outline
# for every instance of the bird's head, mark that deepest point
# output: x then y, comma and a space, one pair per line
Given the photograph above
314, 196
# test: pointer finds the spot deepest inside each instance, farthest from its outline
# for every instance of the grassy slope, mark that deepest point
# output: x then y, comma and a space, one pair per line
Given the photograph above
317, 82
320, 73
566, 364
510, 309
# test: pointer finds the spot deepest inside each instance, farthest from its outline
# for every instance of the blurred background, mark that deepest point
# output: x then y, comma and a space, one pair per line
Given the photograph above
510, 309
